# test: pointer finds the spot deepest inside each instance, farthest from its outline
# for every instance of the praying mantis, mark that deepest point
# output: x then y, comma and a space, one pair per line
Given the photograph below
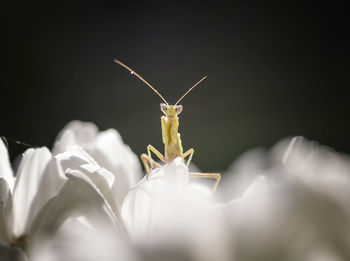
170, 135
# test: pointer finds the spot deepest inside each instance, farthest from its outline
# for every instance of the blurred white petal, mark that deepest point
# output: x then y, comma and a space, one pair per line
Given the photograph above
141, 205
242, 172
29, 174
77, 241
5, 166
318, 166
74, 133
5, 212
288, 221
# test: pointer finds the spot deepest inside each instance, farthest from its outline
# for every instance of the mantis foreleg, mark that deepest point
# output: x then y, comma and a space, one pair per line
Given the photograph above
156, 152
190, 152
148, 162
216, 176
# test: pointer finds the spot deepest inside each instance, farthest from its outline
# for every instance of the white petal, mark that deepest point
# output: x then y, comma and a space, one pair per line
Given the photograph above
242, 173
103, 180
77, 241
166, 214
78, 196
74, 157
151, 199
102, 173
57, 209
319, 167
108, 149
54, 177
287, 220
75, 133
114, 155
5, 166
5, 212
29, 174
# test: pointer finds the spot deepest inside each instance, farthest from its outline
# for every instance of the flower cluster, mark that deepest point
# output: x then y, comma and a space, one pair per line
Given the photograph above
86, 200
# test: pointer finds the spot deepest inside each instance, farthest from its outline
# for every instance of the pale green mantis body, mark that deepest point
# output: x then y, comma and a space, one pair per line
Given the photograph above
170, 135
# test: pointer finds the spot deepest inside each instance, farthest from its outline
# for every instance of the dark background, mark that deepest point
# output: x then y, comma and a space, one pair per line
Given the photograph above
275, 69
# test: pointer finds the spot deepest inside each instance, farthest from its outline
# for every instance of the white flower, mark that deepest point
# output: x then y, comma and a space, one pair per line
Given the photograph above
108, 149
289, 203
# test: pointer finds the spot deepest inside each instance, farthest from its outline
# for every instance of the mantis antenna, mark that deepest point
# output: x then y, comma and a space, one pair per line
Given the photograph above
190, 89
138, 76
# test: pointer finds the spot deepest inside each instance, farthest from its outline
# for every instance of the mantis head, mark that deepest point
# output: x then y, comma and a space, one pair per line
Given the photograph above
170, 110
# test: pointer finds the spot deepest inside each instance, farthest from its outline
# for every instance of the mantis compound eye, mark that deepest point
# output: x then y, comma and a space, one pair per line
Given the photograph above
178, 109
163, 107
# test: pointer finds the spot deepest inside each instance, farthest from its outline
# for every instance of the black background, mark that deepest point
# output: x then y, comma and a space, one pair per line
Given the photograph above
275, 69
